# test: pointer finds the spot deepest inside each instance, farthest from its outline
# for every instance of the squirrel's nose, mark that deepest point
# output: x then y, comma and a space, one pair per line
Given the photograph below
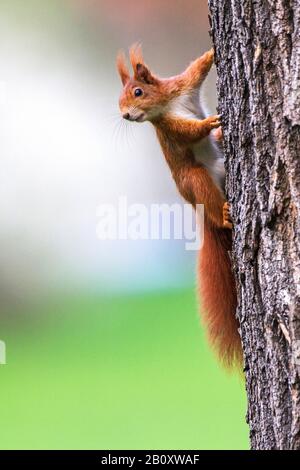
126, 116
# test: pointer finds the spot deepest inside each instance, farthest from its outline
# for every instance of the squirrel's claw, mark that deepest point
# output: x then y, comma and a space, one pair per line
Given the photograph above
227, 222
214, 121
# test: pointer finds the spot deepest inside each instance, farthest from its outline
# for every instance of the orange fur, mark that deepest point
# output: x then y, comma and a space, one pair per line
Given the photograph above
197, 70
122, 68
172, 105
218, 295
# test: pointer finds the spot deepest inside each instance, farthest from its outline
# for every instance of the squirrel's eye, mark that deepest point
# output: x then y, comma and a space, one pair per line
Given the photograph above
138, 92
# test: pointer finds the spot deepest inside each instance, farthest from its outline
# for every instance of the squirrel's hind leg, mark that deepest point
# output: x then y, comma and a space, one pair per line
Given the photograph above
227, 221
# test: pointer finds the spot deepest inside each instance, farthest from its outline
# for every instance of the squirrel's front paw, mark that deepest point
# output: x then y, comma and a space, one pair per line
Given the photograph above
227, 222
209, 55
214, 121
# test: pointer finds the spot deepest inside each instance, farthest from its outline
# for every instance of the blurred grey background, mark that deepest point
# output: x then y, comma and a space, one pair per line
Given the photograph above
62, 149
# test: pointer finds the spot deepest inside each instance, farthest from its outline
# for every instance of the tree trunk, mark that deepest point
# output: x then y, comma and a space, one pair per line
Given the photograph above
257, 46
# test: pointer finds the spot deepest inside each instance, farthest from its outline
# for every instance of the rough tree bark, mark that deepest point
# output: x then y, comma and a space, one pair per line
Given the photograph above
257, 47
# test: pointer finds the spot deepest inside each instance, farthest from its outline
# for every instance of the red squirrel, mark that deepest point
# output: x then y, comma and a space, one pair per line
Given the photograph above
173, 106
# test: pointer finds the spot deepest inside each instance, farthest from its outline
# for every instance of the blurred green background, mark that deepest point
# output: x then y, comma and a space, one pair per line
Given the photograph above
104, 344
124, 373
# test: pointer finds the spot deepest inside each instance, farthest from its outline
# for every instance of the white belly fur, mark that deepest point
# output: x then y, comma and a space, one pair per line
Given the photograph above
205, 151
210, 157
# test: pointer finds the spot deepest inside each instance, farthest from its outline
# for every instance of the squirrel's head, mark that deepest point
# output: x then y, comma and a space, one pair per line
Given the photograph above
141, 99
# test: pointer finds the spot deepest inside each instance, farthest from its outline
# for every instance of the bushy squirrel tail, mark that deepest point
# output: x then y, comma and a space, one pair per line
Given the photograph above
218, 295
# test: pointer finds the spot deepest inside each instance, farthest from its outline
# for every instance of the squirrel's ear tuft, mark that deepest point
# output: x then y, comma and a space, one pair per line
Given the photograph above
140, 70
136, 55
122, 68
